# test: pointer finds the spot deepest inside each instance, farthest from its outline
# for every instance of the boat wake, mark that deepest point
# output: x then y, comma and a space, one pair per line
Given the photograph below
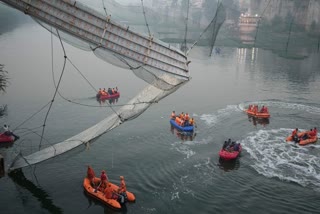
185, 150
273, 157
222, 114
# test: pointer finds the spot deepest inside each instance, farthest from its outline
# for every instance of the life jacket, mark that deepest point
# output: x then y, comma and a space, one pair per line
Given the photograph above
90, 173
108, 192
186, 117
122, 187
103, 185
313, 133
103, 177
294, 132
191, 122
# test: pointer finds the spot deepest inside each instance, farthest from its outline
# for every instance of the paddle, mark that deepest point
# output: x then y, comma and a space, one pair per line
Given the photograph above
96, 190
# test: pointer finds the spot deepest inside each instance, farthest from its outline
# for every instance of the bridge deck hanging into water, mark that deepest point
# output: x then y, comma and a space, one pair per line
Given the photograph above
165, 66
101, 32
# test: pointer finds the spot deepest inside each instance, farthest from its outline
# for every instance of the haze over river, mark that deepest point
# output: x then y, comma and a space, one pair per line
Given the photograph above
168, 172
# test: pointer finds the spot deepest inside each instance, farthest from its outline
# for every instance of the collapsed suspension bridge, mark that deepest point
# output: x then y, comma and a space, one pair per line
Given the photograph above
164, 67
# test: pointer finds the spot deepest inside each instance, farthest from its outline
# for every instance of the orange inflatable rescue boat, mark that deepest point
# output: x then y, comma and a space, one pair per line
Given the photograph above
303, 142
94, 190
253, 111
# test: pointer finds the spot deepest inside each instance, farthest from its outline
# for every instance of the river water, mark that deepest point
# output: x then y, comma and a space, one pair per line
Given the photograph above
168, 172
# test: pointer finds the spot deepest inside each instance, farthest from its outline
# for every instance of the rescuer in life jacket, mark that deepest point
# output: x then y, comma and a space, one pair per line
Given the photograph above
294, 135
173, 115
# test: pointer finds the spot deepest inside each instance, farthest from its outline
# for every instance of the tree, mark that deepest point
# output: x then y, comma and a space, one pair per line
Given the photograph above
3, 79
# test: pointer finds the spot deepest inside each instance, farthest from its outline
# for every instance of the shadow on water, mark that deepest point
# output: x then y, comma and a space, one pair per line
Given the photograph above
229, 165
107, 210
6, 144
18, 177
184, 136
107, 101
258, 121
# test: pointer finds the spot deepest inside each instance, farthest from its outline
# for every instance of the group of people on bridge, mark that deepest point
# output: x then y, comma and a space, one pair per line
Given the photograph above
255, 109
106, 187
182, 119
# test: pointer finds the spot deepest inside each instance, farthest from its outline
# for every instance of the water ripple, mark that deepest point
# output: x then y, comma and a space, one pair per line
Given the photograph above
273, 157
222, 114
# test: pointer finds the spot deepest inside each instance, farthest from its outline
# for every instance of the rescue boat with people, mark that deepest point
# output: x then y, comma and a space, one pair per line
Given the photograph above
108, 96
303, 142
6, 138
290, 138
174, 123
230, 154
97, 193
255, 113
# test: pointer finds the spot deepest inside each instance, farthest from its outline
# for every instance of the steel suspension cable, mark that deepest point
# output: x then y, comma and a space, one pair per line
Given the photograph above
145, 18
255, 37
56, 91
186, 29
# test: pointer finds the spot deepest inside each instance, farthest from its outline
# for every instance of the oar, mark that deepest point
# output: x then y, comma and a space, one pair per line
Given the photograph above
100, 184
96, 190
